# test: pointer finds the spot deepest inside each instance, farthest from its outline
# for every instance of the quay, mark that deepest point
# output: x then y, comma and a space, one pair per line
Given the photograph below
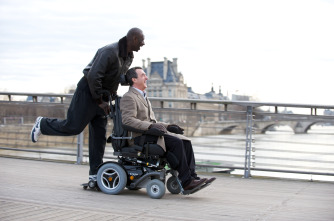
41, 190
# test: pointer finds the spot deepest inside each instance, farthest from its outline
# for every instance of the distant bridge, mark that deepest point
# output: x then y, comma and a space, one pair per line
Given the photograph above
262, 122
259, 126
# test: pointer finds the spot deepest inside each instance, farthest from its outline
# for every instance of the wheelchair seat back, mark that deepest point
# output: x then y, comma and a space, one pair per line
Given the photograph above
119, 134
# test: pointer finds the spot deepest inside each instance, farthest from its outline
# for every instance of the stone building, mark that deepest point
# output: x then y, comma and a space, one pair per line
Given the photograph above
164, 79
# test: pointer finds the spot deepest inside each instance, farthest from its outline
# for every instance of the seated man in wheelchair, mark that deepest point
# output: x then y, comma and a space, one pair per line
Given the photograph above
137, 113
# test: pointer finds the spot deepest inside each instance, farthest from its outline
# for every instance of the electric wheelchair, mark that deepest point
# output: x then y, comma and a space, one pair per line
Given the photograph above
142, 165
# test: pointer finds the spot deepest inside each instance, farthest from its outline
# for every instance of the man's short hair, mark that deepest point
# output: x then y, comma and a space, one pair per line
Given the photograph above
134, 32
131, 73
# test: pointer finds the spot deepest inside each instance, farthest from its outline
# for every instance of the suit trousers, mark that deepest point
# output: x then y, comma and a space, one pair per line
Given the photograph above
83, 110
183, 151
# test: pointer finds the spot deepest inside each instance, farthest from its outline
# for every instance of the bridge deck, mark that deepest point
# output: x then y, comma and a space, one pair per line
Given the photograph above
36, 190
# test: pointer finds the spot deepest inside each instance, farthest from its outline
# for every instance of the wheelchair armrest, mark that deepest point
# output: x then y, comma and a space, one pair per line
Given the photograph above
128, 128
154, 132
151, 131
149, 136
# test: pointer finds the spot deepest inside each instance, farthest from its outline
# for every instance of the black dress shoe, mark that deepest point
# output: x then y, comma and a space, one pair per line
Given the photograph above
210, 180
207, 181
196, 177
194, 183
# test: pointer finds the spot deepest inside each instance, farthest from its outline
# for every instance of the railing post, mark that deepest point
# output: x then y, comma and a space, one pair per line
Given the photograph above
80, 138
249, 141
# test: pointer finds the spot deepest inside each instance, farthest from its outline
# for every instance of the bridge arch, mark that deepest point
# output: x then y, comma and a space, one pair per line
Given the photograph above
228, 130
303, 127
265, 127
263, 130
310, 125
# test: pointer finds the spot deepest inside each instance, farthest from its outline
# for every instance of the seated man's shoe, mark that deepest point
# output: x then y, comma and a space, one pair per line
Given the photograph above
36, 130
210, 180
197, 178
194, 183
207, 181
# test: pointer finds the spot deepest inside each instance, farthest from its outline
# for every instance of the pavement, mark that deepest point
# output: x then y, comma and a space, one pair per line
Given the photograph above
40, 190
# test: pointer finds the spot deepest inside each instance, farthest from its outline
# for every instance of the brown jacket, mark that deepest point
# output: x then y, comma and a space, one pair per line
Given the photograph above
137, 113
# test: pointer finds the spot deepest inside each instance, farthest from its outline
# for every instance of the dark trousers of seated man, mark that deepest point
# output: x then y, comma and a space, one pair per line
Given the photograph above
183, 151
83, 110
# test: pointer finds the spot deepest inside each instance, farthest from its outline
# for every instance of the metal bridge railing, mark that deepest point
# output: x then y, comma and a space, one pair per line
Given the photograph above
234, 124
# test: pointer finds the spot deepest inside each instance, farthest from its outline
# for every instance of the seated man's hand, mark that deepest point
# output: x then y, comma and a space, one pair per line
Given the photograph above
175, 129
158, 126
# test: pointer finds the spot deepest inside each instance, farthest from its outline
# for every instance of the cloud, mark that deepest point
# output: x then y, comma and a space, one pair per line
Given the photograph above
268, 48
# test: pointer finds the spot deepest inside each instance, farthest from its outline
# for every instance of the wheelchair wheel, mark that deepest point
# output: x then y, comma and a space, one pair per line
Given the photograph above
155, 189
111, 178
173, 186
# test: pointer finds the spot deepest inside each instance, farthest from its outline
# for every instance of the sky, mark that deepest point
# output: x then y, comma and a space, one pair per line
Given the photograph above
272, 50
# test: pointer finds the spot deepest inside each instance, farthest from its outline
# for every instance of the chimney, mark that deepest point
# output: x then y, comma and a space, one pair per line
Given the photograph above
220, 91
165, 68
148, 72
175, 66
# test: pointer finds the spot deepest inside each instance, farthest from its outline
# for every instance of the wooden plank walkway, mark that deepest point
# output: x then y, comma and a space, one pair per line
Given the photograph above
39, 190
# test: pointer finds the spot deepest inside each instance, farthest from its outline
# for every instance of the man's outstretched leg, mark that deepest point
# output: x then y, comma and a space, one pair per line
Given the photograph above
82, 109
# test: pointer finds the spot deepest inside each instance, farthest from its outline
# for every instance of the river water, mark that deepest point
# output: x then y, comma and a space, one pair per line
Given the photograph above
276, 150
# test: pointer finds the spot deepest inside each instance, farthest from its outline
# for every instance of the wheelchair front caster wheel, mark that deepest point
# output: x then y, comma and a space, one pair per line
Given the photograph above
173, 186
155, 189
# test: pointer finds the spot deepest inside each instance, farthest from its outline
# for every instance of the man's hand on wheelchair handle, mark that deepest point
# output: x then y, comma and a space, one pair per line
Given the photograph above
176, 129
158, 126
105, 106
